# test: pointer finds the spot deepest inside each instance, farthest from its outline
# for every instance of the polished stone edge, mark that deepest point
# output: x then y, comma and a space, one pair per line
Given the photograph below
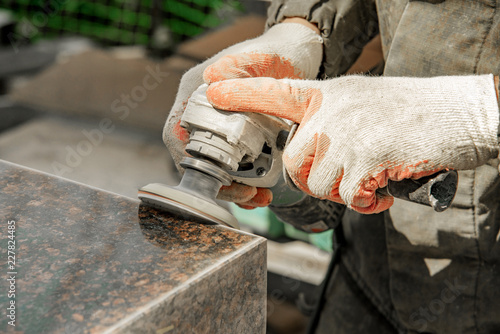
139, 320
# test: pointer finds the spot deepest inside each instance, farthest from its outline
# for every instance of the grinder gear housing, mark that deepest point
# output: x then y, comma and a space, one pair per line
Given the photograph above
224, 147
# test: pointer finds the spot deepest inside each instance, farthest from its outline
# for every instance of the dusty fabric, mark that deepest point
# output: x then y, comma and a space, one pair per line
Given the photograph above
345, 25
311, 214
424, 271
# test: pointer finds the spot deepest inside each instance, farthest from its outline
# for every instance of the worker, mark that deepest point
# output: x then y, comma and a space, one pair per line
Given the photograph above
404, 268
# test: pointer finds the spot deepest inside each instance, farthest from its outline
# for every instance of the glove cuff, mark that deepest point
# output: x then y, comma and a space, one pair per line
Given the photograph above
345, 29
304, 47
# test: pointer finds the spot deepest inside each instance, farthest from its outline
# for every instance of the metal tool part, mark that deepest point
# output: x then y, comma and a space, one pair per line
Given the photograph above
246, 145
436, 191
194, 197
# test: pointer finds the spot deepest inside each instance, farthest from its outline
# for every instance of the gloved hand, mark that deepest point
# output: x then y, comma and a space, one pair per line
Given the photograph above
287, 50
356, 132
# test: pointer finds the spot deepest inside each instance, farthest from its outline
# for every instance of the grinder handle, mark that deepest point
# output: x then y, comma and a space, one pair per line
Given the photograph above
436, 190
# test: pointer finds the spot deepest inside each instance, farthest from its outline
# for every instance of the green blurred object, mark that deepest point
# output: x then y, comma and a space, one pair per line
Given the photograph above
323, 240
153, 23
263, 221
259, 220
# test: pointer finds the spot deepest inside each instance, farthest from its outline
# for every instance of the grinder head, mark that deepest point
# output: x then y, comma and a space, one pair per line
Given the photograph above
194, 197
179, 202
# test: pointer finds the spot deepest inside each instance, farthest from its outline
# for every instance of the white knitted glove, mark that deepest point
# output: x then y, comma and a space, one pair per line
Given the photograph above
356, 132
287, 50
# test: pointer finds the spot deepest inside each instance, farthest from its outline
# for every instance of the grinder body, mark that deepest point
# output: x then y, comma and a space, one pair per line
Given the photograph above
246, 145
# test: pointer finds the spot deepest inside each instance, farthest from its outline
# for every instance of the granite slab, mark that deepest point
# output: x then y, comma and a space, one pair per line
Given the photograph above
90, 261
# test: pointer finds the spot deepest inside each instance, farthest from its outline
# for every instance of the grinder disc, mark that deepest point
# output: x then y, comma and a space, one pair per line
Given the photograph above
185, 204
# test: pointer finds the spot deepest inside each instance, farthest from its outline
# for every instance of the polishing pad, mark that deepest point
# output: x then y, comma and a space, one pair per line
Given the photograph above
186, 204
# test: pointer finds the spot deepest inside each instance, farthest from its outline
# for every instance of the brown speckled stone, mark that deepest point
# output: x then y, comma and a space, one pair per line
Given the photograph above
89, 261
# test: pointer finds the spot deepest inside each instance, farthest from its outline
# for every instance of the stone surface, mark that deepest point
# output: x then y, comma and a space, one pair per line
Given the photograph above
89, 261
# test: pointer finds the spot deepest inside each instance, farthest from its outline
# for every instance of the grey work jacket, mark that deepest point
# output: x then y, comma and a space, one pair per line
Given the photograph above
423, 271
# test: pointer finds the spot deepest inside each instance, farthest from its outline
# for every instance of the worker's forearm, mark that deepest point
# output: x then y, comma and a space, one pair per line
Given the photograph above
343, 39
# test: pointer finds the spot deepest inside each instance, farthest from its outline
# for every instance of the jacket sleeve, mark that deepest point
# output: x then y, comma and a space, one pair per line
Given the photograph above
345, 25
310, 214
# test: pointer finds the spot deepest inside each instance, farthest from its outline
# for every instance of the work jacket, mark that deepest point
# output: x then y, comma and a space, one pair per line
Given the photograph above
410, 269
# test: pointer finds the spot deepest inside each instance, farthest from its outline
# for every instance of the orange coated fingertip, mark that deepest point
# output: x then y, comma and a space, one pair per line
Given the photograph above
237, 193
380, 203
246, 207
250, 65
267, 96
263, 198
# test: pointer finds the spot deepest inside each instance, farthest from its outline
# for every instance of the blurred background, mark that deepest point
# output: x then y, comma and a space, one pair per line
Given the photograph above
86, 86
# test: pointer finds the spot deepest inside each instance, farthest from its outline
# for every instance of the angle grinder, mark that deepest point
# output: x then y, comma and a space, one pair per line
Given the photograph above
247, 148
